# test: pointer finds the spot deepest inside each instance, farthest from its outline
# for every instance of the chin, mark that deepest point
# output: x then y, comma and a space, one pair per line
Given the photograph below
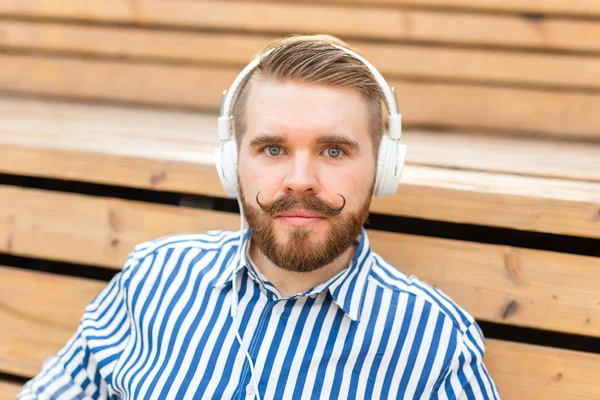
312, 234
316, 228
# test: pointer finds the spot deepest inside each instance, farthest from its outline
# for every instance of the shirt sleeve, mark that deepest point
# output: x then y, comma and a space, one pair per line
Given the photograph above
467, 377
83, 368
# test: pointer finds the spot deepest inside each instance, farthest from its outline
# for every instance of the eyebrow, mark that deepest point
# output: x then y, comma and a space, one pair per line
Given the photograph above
279, 140
264, 140
338, 140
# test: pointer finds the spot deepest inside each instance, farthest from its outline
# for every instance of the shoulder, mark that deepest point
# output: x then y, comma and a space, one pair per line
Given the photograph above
157, 254
211, 240
391, 278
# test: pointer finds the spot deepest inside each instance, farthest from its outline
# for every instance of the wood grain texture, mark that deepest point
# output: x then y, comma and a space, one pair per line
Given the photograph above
524, 371
510, 154
343, 20
484, 279
91, 230
550, 205
39, 312
562, 7
176, 136
450, 106
54, 304
393, 60
174, 151
489, 279
9, 390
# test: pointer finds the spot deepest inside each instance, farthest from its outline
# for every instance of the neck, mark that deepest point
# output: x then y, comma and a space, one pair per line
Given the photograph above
289, 283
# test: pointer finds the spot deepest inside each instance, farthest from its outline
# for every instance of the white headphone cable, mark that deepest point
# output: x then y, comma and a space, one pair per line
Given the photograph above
234, 300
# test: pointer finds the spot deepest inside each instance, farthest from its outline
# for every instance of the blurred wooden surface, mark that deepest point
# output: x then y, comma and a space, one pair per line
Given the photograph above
174, 151
451, 69
495, 283
337, 19
9, 390
402, 60
501, 101
534, 112
562, 7
524, 371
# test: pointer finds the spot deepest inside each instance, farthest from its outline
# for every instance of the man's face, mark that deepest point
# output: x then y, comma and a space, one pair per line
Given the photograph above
306, 152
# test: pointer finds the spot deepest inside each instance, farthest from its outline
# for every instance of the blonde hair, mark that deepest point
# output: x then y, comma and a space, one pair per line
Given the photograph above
311, 59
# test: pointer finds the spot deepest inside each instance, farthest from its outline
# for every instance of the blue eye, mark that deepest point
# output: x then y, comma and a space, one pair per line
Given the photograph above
273, 150
334, 152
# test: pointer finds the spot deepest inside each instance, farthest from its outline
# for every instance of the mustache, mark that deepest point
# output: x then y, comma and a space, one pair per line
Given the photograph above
310, 203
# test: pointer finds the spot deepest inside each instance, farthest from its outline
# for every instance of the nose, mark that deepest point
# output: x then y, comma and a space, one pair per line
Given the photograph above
301, 178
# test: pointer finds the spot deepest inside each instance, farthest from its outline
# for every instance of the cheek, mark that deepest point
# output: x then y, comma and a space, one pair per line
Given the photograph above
354, 184
254, 177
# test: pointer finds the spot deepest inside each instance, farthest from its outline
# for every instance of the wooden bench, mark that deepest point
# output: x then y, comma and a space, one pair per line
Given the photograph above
503, 132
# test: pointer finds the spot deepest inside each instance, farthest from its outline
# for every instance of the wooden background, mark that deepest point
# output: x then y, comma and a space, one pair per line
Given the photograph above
108, 125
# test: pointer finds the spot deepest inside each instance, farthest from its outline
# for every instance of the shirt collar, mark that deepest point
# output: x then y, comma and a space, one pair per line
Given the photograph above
347, 288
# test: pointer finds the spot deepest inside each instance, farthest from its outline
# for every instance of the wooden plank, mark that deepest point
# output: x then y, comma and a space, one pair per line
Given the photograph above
486, 279
521, 156
374, 23
561, 7
9, 390
39, 312
174, 136
550, 205
533, 112
394, 60
103, 80
106, 230
530, 112
168, 151
54, 304
524, 371
501, 283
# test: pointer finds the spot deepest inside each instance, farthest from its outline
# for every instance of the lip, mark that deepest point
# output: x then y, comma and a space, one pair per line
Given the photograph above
300, 218
300, 214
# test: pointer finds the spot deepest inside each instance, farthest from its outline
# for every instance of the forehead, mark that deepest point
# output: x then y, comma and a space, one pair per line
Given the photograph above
304, 111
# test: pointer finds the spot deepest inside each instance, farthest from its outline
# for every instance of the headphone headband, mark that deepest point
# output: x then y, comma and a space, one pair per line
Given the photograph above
390, 159
230, 96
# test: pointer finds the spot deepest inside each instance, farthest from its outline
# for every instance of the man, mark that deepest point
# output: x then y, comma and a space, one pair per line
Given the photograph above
320, 315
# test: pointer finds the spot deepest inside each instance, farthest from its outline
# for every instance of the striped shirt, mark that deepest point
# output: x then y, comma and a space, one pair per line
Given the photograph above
161, 329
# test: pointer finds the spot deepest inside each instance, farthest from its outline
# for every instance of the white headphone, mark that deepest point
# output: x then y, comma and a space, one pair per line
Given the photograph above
390, 160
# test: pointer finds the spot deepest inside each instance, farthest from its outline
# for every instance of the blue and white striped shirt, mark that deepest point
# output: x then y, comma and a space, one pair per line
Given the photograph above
161, 329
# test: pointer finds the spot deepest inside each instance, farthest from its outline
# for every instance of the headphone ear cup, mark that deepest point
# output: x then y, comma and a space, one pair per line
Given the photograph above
226, 163
390, 163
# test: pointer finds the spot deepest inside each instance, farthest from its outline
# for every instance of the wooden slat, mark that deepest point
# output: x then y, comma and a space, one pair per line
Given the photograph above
106, 230
174, 151
550, 205
502, 283
562, 7
538, 373
39, 312
485, 279
531, 112
9, 390
43, 126
393, 60
54, 304
79, 79
521, 156
376, 22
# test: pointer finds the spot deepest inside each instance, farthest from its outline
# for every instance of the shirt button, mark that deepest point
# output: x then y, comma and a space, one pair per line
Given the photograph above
250, 390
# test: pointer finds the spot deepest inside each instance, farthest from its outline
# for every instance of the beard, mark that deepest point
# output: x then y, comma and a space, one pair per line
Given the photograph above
298, 251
